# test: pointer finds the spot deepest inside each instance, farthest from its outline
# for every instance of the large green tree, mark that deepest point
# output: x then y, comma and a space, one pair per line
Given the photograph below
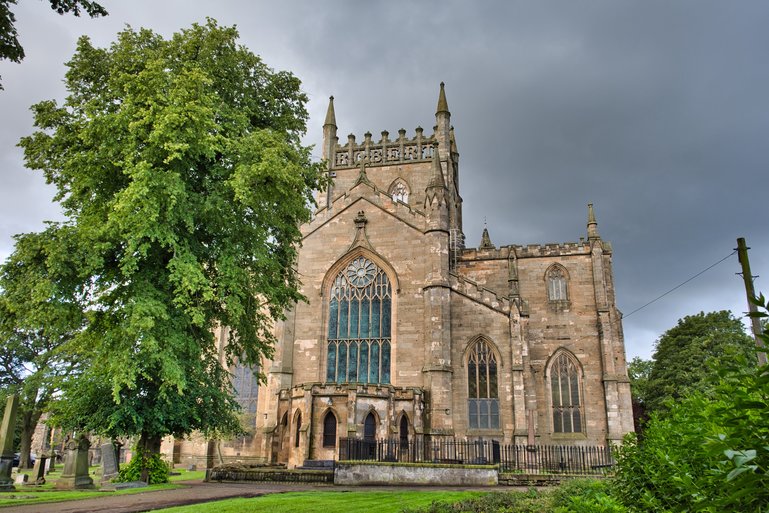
684, 355
10, 47
39, 315
179, 168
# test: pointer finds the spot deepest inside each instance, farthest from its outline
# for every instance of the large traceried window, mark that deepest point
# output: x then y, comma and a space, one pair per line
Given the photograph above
359, 328
565, 388
245, 381
482, 394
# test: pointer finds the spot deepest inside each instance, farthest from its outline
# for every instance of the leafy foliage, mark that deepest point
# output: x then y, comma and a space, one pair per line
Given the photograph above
709, 452
153, 464
11, 49
38, 317
179, 168
684, 354
529, 502
638, 371
586, 496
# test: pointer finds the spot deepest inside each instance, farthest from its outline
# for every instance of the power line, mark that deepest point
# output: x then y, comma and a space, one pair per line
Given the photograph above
679, 285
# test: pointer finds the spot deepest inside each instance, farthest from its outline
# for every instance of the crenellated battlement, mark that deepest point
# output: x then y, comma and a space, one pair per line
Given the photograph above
385, 151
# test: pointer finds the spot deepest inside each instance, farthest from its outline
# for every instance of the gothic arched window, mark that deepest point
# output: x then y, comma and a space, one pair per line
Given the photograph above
482, 394
399, 191
359, 320
369, 428
329, 430
245, 382
557, 288
565, 386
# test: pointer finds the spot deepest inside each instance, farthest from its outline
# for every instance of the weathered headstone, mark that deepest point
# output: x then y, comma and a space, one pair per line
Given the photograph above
109, 463
75, 473
51, 462
21, 479
38, 470
6, 443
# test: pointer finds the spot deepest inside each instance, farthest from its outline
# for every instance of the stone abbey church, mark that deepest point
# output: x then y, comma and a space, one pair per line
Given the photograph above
408, 334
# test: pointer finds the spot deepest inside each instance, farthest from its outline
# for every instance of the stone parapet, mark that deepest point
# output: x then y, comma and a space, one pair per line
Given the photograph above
383, 152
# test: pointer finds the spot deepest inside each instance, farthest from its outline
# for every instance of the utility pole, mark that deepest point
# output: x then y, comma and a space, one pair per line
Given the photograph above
742, 255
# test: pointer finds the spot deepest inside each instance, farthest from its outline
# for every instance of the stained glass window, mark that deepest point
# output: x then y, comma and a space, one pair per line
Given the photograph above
359, 326
482, 393
245, 381
565, 390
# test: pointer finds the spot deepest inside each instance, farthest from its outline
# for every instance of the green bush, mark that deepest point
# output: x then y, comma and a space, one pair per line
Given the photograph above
709, 453
506, 502
157, 468
585, 496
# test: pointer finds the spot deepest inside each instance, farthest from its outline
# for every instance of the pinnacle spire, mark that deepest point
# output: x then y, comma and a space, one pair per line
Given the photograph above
436, 176
486, 240
330, 115
592, 224
443, 105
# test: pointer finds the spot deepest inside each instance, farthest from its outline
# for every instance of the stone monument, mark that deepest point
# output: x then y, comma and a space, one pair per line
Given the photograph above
38, 470
75, 473
6, 443
109, 462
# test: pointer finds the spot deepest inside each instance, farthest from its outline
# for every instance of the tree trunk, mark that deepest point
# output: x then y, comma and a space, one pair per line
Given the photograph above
28, 424
147, 446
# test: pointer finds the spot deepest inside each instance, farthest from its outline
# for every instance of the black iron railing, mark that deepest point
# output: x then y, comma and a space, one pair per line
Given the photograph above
559, 459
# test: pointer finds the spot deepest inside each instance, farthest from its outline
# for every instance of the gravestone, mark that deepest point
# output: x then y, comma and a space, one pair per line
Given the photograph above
21, 479
6, 443
51, 462
109, 463
38, 470
75, 473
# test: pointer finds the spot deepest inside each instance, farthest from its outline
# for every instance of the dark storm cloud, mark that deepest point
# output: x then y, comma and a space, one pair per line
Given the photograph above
655, 111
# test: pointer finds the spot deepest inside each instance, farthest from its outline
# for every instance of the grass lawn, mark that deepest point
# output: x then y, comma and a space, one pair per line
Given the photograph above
327, 502
47, 493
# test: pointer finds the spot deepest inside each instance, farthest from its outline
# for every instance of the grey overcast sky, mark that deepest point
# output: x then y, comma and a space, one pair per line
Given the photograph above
655, 111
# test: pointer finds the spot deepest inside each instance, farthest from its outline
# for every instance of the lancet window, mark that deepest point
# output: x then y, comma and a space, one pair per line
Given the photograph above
482, 393
359, 325
557, 287
565, 384
329, 430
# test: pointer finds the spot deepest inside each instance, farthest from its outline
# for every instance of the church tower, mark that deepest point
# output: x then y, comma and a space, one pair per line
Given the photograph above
408, 335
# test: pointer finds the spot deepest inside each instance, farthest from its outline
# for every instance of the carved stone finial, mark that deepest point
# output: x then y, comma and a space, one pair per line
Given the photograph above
363, 177
361, 237
592, 224
330, 115
486, 240
443, 105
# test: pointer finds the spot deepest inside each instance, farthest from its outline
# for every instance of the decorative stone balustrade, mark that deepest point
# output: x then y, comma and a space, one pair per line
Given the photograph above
384, 152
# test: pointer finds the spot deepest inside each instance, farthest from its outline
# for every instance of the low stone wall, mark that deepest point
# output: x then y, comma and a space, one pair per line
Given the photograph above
369, 473
279, 476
